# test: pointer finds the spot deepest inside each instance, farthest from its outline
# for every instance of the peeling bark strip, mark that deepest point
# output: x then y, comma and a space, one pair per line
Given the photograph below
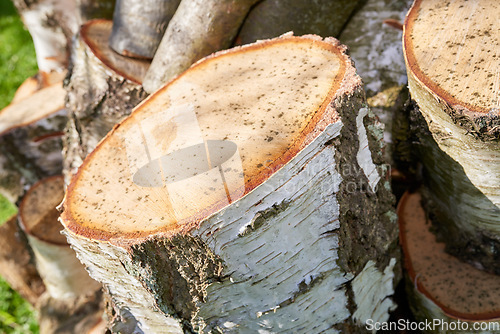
454, 80
198, 28
103, 88
29, 151
138, 26
441, 286
247, 194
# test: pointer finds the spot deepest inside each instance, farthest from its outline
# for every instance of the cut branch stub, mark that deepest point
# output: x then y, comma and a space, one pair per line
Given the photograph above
440, 285
188, 195
30, 137
131, 36
453, 73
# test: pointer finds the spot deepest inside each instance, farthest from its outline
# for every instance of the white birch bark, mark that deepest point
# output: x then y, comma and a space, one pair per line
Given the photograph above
290, 255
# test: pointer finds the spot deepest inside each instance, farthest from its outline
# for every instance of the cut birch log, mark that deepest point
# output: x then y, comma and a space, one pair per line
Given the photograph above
16, 263
247, 194
103, 88
272, 18
131, 35
51, 23
62, 273
68, 284
37, 82
453, 73
30, 132
441, 287
197, 29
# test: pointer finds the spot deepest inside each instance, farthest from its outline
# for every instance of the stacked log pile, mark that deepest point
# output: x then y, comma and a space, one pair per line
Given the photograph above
251, 190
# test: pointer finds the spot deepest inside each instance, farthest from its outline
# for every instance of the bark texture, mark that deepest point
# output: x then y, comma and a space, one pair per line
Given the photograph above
378, 54
31, 141
51, 23
272, 18
98, 98
131, 36
96, 9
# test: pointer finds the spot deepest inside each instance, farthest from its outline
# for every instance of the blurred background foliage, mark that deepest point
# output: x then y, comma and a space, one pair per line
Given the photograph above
17, 62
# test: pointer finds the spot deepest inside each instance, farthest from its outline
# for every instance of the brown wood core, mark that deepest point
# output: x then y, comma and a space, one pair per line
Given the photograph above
33, 108
95, 34
453, 48
38, 213
459, 289
208, 138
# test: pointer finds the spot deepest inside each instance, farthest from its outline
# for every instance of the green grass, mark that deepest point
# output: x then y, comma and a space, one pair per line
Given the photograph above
17, 62
16, 315
17, 54
7, 209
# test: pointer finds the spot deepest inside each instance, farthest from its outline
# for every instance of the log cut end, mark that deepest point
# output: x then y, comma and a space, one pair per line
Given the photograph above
28, 110
38, 213
95, 34
452, 50
209, 137
460, 290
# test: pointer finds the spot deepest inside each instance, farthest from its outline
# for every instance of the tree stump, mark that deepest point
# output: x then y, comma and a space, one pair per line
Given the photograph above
247, 194
103, 88
71, 300
453, 74
440, 286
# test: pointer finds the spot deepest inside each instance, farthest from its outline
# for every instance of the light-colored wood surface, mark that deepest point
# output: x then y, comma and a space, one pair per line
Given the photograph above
233, 99
38, 213
459, 289
453, 48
